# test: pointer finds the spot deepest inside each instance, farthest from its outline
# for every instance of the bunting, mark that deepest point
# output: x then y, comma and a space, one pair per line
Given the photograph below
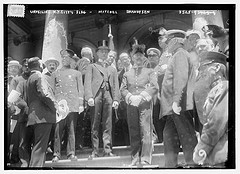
55, 36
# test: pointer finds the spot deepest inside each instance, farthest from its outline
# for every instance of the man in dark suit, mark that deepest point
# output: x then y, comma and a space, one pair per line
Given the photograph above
42, 113
122, 109
87, 57
102, 93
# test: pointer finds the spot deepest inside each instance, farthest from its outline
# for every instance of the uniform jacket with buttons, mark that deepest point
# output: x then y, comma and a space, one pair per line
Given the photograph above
94, 79
68, 85
214, 137
178, 83
139, 80
41, 107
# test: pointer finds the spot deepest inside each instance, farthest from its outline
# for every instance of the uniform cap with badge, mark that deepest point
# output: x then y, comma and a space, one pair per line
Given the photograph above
212, 57
154, 50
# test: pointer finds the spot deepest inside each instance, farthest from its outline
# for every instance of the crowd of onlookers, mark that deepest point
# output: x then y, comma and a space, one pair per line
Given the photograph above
177, 95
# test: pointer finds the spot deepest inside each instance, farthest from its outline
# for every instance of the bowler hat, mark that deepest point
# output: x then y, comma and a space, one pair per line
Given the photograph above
213, 57
103, 45
33, 62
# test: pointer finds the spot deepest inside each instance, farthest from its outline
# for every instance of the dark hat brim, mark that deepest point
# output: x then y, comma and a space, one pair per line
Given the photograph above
213, 57
103, 48
69, 51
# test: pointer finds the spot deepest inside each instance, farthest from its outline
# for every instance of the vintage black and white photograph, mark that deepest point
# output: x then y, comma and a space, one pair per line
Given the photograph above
119, 86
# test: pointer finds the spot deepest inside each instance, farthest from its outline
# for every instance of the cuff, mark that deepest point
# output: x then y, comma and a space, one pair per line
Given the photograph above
128, 97
145, 95
201, 145
81, 101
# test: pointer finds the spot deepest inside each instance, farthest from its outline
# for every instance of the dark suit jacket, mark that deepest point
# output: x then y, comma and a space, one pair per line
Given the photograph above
120, 76
94, 79
41, 107
178, 83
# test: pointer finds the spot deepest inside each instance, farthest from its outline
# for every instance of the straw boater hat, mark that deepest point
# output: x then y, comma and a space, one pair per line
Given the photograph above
52, 59
14, 63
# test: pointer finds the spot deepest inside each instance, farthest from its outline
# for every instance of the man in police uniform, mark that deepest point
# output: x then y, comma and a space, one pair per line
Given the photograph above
101, 93
177, 101
213, 142
67, 87
154, 55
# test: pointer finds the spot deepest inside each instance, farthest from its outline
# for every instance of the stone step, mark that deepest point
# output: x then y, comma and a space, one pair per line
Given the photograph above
109, 162
118, 150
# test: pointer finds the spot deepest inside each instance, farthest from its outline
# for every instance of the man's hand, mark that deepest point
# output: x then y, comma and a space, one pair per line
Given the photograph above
115, 104
81, 109
91, 102
176, 109
135, 100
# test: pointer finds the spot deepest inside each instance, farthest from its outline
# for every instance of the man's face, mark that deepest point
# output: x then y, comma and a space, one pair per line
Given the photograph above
125, 60
13, 70
51, 67
203, 46
153, 58
25, 68
66, 59
102, 54
111, 57
191, 41
138, 59
162, 42
119, 65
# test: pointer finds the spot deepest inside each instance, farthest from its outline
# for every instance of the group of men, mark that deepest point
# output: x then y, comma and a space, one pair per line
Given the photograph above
188, 72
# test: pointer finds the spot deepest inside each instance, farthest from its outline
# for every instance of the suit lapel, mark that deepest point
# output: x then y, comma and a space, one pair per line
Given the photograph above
99, 67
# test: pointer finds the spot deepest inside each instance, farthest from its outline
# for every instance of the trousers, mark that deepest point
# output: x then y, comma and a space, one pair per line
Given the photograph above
140, 131
179, 130
102, 113
69, 123
41, 134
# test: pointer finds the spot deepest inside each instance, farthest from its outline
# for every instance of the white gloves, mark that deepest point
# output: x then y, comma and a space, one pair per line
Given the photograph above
91, 102
176, 109
135, 100
115, 104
